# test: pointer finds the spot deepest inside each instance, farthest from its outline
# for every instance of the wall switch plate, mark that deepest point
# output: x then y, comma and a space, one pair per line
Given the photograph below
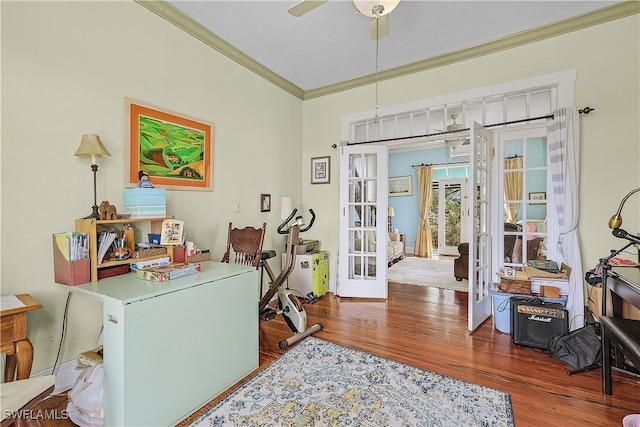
237, 206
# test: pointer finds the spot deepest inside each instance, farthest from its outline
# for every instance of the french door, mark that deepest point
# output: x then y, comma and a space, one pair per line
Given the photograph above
452, 208
362, 247
479, 223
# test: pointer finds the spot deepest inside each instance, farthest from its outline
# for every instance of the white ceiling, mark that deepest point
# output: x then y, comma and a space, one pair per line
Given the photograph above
332, 44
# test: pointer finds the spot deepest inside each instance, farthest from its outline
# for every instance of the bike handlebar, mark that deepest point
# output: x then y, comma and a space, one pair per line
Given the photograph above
281, 227
313, 218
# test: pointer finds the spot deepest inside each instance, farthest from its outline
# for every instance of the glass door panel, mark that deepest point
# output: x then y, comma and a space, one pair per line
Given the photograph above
451, 215
480, 242
363, 222
522, 232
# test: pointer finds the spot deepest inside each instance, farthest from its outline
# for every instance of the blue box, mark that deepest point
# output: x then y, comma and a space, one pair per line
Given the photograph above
145, 197
159, 211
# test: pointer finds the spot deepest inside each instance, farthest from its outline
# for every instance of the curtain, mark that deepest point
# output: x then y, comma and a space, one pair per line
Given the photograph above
512, 187
564, 169
424, 244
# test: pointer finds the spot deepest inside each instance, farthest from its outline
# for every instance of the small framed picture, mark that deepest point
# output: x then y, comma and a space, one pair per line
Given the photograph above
265, 203
400, 186
172, 230
320, 169
538, 197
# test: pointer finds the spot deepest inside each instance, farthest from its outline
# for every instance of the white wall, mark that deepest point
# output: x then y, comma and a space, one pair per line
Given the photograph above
606, 58
66, 70
67, 67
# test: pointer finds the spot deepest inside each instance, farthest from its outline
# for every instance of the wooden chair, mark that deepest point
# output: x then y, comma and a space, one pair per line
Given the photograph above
245, 244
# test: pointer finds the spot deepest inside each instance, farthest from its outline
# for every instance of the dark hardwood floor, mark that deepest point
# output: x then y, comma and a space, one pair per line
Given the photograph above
427, 328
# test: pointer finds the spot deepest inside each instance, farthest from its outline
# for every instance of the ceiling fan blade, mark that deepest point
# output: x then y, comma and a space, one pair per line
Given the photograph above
383, 27
305, 6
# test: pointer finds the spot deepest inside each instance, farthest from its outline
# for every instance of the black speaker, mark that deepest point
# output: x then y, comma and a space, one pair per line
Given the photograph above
534, 322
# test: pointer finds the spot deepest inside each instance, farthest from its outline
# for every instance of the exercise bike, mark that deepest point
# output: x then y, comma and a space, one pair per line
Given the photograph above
289, 305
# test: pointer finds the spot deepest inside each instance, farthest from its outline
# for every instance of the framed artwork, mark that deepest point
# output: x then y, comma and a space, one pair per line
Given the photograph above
400, 186
537, 198
265, 203
175, 150
171, 233
320, 170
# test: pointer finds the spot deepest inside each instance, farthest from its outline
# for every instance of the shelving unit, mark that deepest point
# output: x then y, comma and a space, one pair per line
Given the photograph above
90, 226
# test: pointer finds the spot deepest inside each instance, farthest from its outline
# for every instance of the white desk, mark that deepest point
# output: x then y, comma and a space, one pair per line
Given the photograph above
170, 347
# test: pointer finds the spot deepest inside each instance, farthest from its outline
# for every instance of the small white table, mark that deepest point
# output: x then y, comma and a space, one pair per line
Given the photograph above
170, 347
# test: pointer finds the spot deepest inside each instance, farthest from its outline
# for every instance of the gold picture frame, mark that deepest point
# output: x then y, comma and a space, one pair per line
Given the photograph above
400, 186
321, 170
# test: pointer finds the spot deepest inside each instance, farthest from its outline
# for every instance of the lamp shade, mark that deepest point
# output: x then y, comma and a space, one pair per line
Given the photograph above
368, 7
285, 207
91, 146
391, 211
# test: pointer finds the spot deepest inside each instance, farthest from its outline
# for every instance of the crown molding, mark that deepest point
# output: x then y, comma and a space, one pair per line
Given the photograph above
166, 11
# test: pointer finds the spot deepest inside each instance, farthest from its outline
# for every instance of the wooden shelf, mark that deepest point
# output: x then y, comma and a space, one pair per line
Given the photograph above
90, 226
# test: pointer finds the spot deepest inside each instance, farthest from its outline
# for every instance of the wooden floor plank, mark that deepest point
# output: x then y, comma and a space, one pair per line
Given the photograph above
427, 328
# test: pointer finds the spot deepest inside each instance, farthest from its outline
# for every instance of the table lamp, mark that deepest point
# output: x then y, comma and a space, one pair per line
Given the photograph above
91, 146
391, 213
285, 207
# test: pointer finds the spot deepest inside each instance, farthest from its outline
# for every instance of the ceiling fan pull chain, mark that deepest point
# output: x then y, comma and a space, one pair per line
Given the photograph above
377, 9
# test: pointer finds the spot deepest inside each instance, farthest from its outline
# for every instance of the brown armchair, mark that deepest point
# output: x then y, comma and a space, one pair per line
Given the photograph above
461, 264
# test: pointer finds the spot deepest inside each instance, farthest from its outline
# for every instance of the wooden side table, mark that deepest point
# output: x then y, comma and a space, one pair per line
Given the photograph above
14, 342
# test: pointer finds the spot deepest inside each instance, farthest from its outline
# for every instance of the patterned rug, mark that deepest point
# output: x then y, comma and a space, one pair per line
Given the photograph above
318, 383
437, 273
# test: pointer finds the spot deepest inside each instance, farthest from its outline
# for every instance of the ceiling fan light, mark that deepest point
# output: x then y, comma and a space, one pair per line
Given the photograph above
368, 7
454, 143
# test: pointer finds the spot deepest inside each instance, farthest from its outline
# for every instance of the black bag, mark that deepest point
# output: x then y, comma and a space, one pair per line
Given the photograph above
579, 349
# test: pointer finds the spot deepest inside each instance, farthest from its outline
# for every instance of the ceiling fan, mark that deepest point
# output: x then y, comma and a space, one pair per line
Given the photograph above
377, 10
455, 143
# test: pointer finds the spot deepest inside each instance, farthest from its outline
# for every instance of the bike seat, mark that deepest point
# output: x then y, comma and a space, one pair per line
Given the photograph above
267, 253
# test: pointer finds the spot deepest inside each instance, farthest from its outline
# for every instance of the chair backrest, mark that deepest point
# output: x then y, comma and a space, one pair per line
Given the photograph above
246, 245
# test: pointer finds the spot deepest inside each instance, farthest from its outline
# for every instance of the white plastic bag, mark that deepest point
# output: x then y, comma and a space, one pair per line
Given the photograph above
85, 406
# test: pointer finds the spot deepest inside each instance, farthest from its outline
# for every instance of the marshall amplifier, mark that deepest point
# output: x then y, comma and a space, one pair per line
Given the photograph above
534, 323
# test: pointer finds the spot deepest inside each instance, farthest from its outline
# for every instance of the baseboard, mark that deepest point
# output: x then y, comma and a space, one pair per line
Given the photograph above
66, 376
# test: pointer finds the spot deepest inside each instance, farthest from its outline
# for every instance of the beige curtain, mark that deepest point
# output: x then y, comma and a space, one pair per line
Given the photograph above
512, 187
424, 244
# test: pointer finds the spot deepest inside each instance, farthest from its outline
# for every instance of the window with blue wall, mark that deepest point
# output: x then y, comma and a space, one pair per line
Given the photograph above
407, 211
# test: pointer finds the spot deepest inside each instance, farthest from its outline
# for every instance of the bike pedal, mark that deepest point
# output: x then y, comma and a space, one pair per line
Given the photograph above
311, 298
268, 314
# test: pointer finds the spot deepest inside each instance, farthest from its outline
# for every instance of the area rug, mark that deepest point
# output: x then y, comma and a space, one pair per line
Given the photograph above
318, 383
437, 273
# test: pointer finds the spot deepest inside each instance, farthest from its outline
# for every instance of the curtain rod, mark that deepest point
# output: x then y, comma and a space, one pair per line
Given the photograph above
453, 165
585, 110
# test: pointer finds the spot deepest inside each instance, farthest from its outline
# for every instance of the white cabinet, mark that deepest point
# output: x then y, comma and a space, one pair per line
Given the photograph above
310, 273
171, 347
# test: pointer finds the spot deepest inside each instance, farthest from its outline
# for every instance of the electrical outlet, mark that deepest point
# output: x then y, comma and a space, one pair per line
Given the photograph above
237, 206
